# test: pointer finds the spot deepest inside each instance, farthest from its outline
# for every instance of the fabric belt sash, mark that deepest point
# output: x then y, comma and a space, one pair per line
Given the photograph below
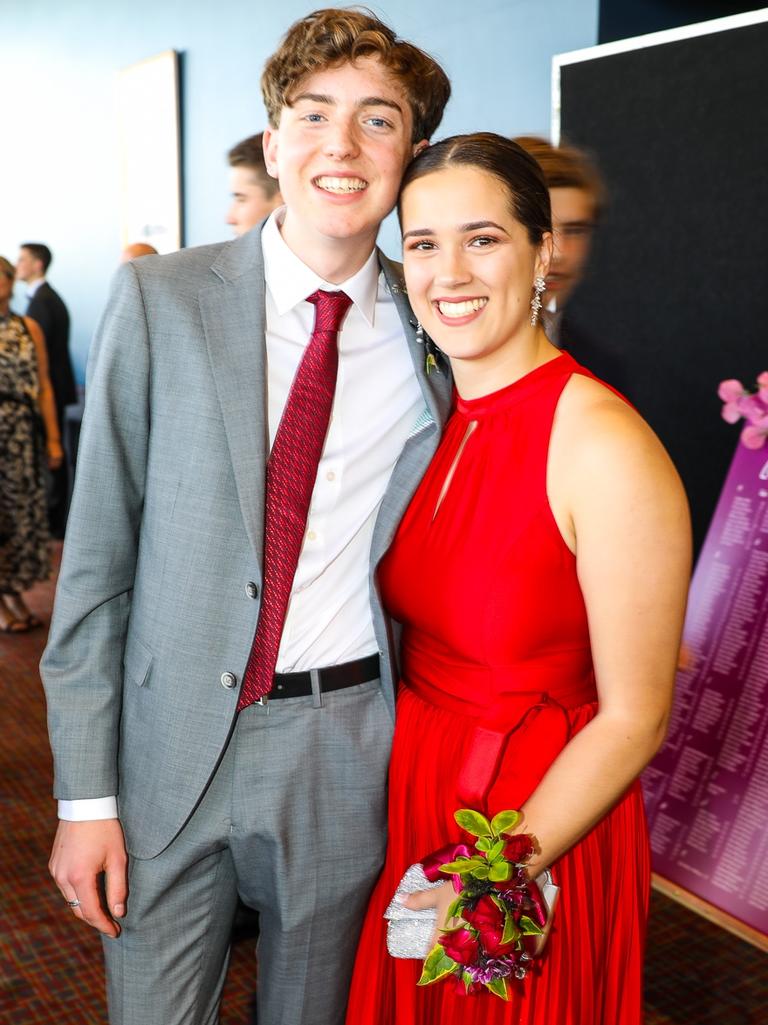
512, 742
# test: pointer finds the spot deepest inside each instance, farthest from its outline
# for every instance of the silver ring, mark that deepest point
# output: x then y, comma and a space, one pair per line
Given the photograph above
74, 903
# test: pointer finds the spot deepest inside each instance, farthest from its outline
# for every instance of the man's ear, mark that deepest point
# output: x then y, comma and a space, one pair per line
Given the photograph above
269, 144
419, 146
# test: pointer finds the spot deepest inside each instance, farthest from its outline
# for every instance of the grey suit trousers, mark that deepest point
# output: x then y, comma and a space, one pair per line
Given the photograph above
294, 821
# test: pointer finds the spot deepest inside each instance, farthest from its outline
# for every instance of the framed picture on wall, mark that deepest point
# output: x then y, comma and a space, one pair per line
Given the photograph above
150, 153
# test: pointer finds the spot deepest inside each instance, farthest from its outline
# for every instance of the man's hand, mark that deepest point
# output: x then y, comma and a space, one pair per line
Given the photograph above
82, 851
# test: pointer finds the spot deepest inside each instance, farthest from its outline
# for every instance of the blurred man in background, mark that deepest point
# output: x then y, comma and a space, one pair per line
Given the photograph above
47, 308
135, 250
255, 193
576, 193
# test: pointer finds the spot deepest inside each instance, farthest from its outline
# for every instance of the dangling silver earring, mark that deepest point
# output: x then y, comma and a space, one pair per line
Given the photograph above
419, 333
539, 285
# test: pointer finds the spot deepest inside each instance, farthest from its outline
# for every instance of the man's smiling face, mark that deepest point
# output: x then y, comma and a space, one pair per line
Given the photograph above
339, 154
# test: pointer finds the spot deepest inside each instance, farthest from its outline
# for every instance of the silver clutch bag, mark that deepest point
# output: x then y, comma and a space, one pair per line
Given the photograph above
409, 932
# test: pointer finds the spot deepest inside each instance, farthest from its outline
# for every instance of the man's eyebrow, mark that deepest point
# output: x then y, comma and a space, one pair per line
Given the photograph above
379, 101
366, 101
313, 98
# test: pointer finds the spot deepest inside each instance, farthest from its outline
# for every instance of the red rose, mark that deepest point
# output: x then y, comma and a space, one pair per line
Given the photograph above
461, 945
488, 918
486, 914
518, 848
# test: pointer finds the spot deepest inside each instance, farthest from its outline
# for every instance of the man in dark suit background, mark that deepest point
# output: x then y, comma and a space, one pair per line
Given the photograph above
578, 196
47, 308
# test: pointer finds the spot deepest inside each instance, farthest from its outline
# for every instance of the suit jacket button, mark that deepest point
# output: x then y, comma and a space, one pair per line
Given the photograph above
228, 680
251, 589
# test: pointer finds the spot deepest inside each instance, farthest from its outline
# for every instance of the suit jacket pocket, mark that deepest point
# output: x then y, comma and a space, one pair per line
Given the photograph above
137, 661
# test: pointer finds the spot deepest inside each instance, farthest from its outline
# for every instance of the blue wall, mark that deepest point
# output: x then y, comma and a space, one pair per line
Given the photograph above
58, 64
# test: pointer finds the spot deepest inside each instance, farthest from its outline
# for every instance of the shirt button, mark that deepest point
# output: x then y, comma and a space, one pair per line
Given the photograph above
251, 589
311, 535
330, 475
228, 680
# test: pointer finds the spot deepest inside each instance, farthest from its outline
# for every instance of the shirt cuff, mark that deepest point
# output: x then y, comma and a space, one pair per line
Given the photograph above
88, 809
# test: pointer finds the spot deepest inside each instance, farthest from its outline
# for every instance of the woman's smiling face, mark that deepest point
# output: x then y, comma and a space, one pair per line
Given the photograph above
469, 263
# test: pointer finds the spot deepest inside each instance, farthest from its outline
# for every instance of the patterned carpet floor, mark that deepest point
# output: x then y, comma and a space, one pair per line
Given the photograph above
50, 964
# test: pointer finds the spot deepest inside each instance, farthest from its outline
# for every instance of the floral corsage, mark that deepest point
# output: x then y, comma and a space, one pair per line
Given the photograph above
498, 906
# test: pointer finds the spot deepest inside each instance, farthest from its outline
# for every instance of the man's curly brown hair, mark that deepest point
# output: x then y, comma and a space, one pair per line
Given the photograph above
331, 37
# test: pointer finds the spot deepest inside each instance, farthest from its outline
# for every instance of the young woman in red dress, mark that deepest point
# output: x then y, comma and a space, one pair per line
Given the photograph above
540, 576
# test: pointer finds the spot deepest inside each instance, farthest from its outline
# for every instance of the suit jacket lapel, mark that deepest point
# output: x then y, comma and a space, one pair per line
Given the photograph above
437, 389
233, 317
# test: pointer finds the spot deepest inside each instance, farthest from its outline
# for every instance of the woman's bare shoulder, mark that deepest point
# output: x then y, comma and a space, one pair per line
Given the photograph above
599, 438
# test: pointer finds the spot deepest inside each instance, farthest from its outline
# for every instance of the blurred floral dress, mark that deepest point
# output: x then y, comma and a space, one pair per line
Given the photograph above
24, 554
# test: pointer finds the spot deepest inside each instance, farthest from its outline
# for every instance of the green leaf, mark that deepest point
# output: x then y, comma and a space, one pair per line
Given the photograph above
460, 866
505, 821
484, 843
496, 850
529, 927
481, 872
473, 822
500, 872
454, 911
499, 987
436, 965
511, 932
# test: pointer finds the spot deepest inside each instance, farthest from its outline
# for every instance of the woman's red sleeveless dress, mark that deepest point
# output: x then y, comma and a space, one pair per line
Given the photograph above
496, 676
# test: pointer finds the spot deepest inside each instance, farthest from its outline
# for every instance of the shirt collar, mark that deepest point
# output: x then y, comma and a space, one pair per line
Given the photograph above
290, 281
32, 287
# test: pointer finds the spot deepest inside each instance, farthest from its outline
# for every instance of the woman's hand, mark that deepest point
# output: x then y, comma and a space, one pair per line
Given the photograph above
440, 898
55, 454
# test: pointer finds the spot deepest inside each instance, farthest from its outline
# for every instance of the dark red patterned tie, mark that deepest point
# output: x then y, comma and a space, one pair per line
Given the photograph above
291, 473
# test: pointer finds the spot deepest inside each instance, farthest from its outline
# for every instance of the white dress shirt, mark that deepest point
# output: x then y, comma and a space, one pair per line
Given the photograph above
376, 404
32, 287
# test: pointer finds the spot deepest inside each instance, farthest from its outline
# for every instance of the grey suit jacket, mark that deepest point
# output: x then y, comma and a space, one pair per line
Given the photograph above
165, 532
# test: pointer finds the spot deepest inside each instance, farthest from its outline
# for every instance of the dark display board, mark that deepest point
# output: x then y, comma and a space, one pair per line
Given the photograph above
620, 19
676, 297
707, 791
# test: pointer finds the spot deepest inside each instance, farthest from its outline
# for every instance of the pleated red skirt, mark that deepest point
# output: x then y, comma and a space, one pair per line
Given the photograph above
591, 971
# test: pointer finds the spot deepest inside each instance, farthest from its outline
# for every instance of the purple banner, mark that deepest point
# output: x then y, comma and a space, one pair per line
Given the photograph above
707, 790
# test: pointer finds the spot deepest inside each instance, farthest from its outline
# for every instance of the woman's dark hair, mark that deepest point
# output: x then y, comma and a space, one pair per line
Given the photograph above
515, 169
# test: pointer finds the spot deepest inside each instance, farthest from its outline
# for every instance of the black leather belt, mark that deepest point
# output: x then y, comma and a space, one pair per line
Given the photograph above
349, 674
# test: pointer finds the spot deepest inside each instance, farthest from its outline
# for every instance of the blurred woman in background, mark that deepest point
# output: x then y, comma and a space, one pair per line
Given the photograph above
29, 440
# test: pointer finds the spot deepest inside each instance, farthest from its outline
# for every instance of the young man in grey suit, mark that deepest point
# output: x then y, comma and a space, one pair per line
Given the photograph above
166, 742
